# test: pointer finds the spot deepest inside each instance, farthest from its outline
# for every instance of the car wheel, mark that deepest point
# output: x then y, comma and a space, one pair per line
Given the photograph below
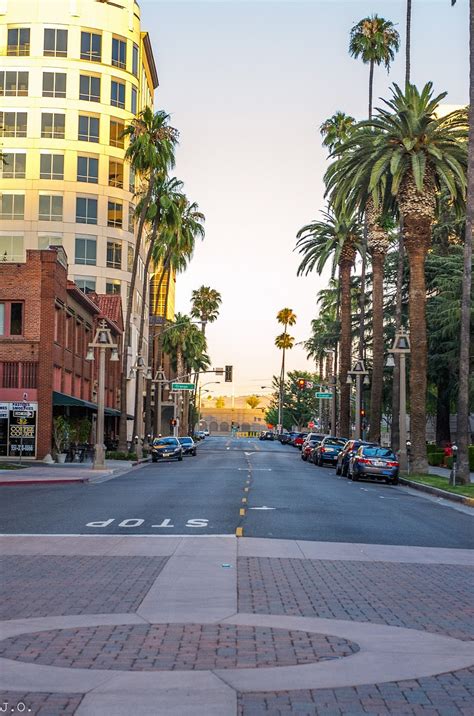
394, 481
154, 459
344, 470
355, 476
194, 453
304, 457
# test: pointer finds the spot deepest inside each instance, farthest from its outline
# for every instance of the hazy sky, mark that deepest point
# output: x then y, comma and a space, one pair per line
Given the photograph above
248, 84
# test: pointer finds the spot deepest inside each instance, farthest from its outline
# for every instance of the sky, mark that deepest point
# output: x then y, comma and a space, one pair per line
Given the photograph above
248, 84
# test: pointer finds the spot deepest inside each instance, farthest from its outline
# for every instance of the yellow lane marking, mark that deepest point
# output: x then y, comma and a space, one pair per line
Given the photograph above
242, 512
239, 532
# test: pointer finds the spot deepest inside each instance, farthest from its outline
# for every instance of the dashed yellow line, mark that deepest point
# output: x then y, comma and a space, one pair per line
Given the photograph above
246, 489
244, 499
242, 512
239, 532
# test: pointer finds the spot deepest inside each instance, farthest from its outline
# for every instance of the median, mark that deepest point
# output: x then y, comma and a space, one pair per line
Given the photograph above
439, 485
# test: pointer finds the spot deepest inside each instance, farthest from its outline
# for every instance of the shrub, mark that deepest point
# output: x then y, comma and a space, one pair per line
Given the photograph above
471, 458
449, 463
120, 455
436, 458
431, 447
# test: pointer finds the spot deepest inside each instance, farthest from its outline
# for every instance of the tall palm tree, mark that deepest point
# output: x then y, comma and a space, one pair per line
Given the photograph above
205, 305
337, 237
286, 317
336, 129
408, 43
462, 429
151, 149
410, 153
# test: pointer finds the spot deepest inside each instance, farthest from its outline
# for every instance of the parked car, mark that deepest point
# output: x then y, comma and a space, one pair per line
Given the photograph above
288, 437
282, 437
206, 433
308, 447
166, 448
266, 435
188, 445
348, 451
375, 463
328, 450
298, 440
199, 435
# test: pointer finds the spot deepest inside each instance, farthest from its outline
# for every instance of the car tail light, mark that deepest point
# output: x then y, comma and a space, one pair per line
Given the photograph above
392, 464
323, 449
364, 460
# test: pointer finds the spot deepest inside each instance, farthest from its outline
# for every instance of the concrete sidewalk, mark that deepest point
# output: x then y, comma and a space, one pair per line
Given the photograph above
222, 626
43, 473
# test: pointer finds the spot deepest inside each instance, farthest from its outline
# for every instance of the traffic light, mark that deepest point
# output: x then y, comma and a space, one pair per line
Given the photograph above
301, 383
228, 374
362, 412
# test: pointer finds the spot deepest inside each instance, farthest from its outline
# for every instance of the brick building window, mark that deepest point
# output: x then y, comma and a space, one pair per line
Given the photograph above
86, 250
13, 165
89, 88
91, 46
117, 94
11, 318
55, 43
13, 124
119, 53
18, 42
57, 378
86, 210
67, 382
115, 214
29, 375
11, 374
88, 128
54, 84
13, 84
50, 207
88, 169
12, 207
114, 254
116, 173
52, 166
69, 338
116, 133
53, 125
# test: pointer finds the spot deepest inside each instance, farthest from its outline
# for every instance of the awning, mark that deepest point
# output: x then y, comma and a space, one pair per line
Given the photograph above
70, 401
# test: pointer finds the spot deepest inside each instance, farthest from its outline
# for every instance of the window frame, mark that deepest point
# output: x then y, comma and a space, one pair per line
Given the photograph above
16, 133
120, 141
7, 320
134, 100
117, 182
55, 52
120, 88
88, 177
54, 92
89, 96
14, 215
114, 223
52, 174
52, 216
4, 83
89, 257
116, 283
121, 44
17, 256
89, 137
89, 201
18, 43
4, 165
89, 55
114, 250
54, 134
89, 279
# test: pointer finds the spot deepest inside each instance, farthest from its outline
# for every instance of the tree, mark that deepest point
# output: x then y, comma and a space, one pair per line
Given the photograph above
253, 401
151, 149
336, 130
338, 236
220, 401
286, 317
205, 305
407, 154
300, 406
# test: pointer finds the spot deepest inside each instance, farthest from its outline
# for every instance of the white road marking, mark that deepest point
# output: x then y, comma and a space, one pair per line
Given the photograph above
165, 523
262, 508
197, 523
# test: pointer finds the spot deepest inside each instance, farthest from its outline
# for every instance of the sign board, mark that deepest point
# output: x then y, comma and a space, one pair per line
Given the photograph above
311, 425
324, 396
309, 384
182, 386
21, 434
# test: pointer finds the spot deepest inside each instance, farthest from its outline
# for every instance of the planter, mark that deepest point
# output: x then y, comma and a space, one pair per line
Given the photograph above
61, 457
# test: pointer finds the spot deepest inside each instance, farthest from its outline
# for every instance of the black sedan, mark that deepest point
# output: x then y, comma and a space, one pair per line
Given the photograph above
375, 463
188, 445
348, 451
166, 449
328, 450
266, 435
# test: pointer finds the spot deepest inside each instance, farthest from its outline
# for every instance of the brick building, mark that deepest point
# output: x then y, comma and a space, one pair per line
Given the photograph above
46, 323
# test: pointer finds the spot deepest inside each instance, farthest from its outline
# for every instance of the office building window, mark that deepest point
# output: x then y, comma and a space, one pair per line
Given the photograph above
117, 94
135, 60
53, 125
13, 165
13, 124
50, 207
13, 84
54, 84
46, 240
12, 207
131, 180
112, 286
85, 283
116, 173
86, 210
55, 43
52, 166
133, 106
88, 170
89, 88
114, 214
91, 46
117, 129
88, 129
12, 249
130, 256
18, 42
86, 250
114, 254
131, 217
119, 53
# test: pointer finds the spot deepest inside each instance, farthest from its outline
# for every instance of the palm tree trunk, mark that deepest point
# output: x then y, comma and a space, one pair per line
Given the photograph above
346, 345
371, 87
462, 428
395, 431
378, 346
416, 250
128, 320
408, 44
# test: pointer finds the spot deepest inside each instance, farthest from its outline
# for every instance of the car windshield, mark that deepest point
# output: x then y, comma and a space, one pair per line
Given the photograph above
161, 442
334, 441
185, 441
378, 452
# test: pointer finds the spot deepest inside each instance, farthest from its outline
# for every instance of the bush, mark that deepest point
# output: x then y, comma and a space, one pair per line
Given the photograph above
431, 447
449, 463
471, 458
120, 455
436, 458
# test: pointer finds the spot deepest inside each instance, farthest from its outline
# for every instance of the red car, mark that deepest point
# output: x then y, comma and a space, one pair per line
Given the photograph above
299, 440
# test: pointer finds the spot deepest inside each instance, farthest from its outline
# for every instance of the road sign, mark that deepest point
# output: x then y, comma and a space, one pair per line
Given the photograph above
309, 384
182, 386
324, 396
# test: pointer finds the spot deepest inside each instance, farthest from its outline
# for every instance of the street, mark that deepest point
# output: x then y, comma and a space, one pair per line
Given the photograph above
238, 486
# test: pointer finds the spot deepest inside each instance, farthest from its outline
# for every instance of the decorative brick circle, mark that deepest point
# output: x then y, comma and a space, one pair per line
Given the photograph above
165, 647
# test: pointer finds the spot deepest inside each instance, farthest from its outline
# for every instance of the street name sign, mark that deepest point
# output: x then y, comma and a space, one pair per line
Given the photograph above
324, 396
182, 386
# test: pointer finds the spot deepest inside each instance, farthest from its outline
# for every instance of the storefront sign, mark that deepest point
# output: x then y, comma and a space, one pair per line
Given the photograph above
18, 429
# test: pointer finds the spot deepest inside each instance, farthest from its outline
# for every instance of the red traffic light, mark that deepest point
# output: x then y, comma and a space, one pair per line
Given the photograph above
301, 383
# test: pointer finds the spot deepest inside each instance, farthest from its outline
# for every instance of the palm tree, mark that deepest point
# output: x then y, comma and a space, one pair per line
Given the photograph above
286, 317
205, 305
151, 149
462, 428
338, 236
375, 41
410, 153
336, 129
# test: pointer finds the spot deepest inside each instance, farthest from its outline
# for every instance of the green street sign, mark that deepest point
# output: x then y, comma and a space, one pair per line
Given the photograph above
182, 386
324, 396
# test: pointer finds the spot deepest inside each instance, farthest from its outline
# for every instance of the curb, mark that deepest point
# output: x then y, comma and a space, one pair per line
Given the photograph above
140, 462
5, 483
469, 501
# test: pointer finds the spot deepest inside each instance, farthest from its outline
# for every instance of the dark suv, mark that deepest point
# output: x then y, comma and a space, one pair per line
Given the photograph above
348, 451
328, 450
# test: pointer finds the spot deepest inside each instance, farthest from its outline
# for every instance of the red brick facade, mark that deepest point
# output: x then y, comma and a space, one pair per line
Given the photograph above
58, 322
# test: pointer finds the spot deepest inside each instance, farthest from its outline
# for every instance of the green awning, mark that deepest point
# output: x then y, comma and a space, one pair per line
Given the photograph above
70, 401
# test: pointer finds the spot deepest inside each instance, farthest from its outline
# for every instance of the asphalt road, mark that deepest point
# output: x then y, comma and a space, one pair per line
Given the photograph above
261, 489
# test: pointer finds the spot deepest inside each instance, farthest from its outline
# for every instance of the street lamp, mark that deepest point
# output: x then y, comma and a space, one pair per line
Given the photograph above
401, 345
358, 371
103, 341
210, 382
137, 369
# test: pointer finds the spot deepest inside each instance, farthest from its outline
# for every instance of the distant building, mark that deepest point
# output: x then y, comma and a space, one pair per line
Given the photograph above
219, 421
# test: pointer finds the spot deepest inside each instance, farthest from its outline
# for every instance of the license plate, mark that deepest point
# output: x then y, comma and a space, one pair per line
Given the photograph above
386, 472
378, 463
166, 454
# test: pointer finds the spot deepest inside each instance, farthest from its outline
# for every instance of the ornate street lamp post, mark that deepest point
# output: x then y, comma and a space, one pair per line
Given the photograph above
401, 345
358, 371
102, 341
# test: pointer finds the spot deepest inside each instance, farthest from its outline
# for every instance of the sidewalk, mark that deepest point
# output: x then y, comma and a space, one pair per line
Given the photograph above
42, 473
444, 472
219, 626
